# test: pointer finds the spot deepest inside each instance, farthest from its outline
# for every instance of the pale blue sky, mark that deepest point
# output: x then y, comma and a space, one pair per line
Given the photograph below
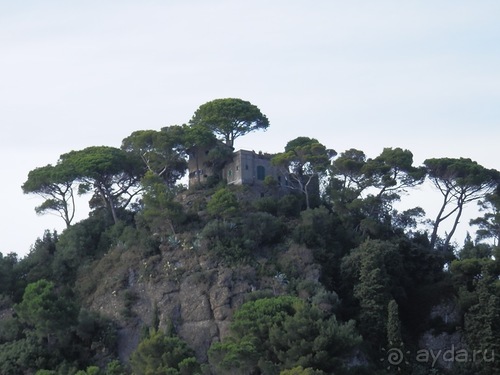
365, 74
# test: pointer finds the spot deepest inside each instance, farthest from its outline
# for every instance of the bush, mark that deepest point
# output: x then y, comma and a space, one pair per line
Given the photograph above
238, 241
78, 244
273, 334
224, 240
10, 328
267, 204
314, 228
289, 206
163, 354
223, 204
261, 228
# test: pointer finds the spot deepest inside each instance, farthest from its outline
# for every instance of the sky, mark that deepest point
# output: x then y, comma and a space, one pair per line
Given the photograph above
420, 75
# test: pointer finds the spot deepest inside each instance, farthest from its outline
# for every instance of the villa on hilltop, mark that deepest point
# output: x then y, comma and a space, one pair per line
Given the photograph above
244, 168
248, 168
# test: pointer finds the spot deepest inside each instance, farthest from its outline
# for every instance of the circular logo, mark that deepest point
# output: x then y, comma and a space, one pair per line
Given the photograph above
395, 357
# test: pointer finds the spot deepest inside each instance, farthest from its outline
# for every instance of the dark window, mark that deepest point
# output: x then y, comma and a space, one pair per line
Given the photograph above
261, 173
246, 167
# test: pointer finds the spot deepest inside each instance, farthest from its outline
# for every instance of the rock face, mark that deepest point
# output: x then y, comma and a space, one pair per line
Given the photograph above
440, 348
187, 290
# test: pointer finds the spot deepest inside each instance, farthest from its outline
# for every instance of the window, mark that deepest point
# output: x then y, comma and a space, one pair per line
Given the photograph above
261, 173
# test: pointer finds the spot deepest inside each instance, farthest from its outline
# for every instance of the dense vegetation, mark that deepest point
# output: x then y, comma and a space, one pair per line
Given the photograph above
383, 272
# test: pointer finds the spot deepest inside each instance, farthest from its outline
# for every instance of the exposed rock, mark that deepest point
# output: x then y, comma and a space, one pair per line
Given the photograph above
448, 311
189, 291
440, 350
440, 347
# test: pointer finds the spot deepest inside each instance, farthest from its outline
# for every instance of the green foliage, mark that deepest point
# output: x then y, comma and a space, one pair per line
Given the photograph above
489, 224
304, 160
162, 354
129, 299
466, 272
7, 275
115, 368
91, 370
370, 268
10, 329
482, 324
78, 244
266, 204
162, 152
112, 173
38, 264
460, 181
373, 264
348, 172
223, 204
96, 332
18, 357
55, 184
270, 182
272, 334
394, 337
260, 228
46, 310
224, 241
393, 171
315, 228
160, 212
47, 333
289, 206
230, 118
478, 250
218, 156
238, 240
299, 370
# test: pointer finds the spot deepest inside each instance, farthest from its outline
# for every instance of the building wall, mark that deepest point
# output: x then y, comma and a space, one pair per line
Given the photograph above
197, 169
248, 168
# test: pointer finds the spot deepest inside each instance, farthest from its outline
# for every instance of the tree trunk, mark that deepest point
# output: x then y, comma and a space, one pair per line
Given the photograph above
455, 224
306, 193
438, 221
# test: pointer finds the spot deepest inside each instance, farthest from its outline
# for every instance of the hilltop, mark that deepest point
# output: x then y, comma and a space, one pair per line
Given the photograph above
294, 263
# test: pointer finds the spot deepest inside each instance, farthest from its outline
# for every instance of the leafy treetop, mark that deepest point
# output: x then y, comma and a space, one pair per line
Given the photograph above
230, 118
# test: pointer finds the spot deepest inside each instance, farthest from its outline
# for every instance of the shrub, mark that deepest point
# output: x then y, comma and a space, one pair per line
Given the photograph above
261, 228
314, 228
237, 241
223, 204
272, 334
267, 204
289, 206
163, 354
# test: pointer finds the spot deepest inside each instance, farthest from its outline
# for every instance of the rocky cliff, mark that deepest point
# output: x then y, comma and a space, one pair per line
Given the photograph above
185, 287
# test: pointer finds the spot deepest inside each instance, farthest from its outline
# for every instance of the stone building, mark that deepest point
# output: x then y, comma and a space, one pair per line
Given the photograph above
245, 168
249, 168
198, 169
